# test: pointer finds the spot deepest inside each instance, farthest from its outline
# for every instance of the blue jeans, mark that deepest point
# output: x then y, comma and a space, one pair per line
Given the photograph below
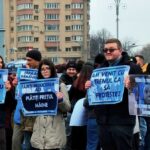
26, 141
147, 136
143, 130
92, 134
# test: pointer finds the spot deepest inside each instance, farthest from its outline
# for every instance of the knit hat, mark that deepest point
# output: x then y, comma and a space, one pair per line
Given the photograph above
71, 64
34, 54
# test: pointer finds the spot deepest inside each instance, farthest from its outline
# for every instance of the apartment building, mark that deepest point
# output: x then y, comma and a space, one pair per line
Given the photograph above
57, 28
2, 31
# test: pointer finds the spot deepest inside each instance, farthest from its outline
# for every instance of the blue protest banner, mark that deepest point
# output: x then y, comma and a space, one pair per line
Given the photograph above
3, 79
139, 95
39, 96
107, 85
24, 74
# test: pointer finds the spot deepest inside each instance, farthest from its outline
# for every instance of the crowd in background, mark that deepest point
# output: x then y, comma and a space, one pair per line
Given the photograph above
109, 127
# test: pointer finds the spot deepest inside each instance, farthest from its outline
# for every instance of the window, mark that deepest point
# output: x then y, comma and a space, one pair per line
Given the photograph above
24, 28
12, 18
67, 17
52, 38
77, 5
12, 29
77, 27
25, 39
52, 27
52, 16
36, 6
68, 28
51, 5
52, 49
67, 39
77, 38
67, 6
76, 16
36, 39
76, 48
36, 17
54, 59
68, 49
24, 17
25, 6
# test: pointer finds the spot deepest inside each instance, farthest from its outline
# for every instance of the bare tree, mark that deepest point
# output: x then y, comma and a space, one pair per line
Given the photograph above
146, 53
128, 46
97, 42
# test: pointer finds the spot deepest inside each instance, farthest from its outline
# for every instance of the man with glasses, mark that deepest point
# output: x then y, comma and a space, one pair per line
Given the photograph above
115, 124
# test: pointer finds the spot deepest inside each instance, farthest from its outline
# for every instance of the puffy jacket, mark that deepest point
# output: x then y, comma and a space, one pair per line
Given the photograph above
49, 131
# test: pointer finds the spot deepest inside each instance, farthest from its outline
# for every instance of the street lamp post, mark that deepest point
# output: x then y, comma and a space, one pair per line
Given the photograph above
117, 2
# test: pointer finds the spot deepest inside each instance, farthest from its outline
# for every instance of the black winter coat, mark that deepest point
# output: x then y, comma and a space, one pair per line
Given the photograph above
118, 113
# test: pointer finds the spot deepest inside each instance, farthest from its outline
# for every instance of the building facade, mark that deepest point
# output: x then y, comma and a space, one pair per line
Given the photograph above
2, 31
58, 28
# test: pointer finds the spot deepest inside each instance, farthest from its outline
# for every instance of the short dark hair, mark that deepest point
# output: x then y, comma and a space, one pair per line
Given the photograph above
51, 66
140, 56
114, 40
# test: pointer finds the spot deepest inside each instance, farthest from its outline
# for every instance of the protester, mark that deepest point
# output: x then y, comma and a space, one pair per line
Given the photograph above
144, 121
115, 124
49, 131
99, 60
6, 110
23, 127
77, 91
93, 141
144, 66
68, 77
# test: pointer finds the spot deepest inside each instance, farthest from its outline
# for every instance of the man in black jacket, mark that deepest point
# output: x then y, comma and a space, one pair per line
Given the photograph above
115, 124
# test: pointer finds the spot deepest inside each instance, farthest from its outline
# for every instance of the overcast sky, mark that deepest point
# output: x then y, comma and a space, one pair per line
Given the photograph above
134, 19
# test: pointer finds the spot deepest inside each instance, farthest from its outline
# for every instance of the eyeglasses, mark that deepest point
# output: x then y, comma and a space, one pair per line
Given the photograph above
45, 69
105, 50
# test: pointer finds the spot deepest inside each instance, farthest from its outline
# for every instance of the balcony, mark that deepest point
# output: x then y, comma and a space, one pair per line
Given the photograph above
51, 44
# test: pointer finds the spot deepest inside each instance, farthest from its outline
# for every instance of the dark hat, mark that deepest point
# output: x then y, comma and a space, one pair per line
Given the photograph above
34, 54
71, 64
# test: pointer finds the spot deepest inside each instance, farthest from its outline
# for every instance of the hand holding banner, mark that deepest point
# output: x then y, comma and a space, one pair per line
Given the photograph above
3, 79
107, 85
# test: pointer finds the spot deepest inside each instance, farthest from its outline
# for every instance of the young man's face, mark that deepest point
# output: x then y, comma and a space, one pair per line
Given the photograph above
112, 52
139, 61
32, 63
71, 72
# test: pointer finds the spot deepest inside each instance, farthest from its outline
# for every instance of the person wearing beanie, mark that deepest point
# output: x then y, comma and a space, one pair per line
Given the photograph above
33, 58
68, 78
99, 59
71, 73
24, 130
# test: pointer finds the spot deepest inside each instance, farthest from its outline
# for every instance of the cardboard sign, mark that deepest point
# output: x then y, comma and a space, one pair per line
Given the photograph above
107, 85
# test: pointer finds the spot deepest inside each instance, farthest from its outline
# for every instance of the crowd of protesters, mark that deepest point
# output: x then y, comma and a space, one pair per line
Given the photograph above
109, 127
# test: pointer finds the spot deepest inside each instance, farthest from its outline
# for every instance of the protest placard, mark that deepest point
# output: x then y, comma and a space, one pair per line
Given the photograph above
139, 95
107, 85
39, 96
24, 74
3, 79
